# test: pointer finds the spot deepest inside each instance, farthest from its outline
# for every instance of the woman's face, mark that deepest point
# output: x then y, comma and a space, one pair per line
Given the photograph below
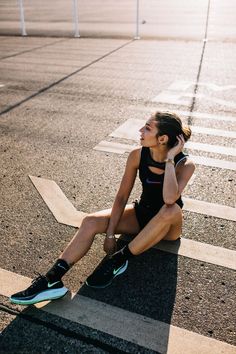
148, 133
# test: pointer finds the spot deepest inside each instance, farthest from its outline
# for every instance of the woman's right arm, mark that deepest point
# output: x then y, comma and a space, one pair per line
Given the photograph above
124, 191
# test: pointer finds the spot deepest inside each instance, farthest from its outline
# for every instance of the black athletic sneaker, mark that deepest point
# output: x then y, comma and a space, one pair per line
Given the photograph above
39, 290
105, 273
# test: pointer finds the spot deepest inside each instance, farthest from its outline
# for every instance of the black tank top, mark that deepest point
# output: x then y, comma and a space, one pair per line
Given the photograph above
152, 183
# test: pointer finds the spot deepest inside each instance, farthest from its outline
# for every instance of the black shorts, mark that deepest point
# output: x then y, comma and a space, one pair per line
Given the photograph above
145, 213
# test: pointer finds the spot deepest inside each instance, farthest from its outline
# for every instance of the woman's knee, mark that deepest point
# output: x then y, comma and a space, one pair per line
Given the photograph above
93, 224
170, 212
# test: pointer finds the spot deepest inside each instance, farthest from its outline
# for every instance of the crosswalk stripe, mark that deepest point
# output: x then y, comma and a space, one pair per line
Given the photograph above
216, 149
202, 115
211, 209
198, 115
130, 130
208, 161
134, 328
197, 250
203, 252
215, 132
118, 148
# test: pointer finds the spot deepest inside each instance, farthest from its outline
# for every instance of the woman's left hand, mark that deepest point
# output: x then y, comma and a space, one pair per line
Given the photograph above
110, 246
175, 150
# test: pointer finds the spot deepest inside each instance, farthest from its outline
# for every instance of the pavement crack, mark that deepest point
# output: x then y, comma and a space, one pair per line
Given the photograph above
200, 66
46, 88
32, 50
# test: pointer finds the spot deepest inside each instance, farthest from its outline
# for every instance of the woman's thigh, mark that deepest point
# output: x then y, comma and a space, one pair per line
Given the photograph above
175, 229
128, 222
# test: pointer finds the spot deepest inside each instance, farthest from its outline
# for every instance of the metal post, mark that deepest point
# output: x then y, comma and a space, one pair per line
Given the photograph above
137, 20
22, 18
76, 22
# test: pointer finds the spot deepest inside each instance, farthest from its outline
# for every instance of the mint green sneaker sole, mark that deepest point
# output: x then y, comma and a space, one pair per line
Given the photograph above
43, 296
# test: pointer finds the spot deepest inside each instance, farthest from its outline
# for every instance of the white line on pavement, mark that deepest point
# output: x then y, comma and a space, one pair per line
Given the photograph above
62, 209
202, 115
184, 99
130, 130
196, 250
123, 324
198, 115
208, 161
119, 148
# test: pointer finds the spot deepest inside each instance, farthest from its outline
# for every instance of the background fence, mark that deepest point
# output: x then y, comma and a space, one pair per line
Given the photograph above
164, 19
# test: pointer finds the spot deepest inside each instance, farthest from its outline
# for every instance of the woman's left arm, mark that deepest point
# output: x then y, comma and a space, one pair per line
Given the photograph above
176, 179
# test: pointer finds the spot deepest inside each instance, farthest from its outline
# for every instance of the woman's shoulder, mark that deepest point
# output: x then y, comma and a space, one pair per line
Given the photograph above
182, 160
134, 156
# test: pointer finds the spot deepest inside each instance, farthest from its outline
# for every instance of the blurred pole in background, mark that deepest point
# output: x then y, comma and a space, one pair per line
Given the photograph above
137, 20
22, 18
76, 22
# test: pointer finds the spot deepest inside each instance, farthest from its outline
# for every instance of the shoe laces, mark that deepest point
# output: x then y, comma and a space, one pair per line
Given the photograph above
38, 279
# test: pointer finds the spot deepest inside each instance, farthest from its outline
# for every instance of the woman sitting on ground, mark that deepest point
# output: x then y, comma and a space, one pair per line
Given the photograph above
164, 171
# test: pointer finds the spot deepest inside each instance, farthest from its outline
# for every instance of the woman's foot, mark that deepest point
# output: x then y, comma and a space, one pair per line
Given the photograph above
105, 273
40, 290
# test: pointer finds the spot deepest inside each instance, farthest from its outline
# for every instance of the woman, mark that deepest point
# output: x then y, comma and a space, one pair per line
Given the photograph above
164, 171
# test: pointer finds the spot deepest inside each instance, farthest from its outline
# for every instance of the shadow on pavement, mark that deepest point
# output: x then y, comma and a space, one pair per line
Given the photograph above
147, 288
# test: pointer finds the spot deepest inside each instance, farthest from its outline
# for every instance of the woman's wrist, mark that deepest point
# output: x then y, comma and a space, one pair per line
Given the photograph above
170, 160
110, 236
170, 156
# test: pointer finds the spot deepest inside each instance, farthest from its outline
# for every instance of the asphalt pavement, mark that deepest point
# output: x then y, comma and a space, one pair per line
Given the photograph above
60, 97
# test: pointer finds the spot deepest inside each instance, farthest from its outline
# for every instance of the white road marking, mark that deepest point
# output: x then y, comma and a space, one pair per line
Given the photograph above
119, 148
1, 85
225, 256
217, 149
208, 161
144, 331
211, 209
176, 94
209, 116
130, 130
182, 85
197, 250
230, 104
214, 132
198, 115
62, 209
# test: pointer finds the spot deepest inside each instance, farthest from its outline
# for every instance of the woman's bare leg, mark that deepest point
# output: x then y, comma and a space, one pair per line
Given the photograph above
97, 223
166, 225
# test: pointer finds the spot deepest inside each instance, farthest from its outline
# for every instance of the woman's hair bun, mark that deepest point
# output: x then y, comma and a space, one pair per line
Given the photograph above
186, 132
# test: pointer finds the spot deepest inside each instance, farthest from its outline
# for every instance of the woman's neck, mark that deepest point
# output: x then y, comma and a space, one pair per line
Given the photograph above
159, 154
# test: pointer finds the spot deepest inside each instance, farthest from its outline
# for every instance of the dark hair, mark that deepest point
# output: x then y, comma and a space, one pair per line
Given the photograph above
171, 125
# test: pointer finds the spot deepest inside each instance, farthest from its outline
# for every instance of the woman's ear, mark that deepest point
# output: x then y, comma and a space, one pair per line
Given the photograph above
163, 139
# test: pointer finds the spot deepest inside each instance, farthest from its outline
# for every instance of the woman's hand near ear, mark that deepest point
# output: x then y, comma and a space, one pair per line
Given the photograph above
175, 150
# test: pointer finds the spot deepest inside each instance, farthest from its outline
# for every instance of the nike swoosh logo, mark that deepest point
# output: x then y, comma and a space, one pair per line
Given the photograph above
152, 182
116, 270
50, 285
59, 265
